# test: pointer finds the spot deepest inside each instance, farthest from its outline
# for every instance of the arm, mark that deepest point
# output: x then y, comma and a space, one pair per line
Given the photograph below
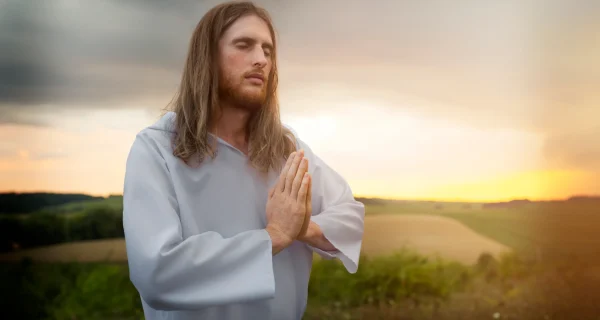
175, 273
337, 224
315, 238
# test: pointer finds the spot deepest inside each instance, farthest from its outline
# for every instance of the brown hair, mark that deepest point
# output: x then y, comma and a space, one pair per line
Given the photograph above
197, 100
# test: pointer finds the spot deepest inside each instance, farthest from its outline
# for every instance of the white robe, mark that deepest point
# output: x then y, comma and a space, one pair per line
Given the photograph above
196, 241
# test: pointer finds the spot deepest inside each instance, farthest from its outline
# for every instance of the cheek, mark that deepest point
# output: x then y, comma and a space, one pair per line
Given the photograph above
234, 68
234, 62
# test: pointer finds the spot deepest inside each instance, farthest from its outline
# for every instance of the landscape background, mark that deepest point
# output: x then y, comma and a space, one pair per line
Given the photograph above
468, 129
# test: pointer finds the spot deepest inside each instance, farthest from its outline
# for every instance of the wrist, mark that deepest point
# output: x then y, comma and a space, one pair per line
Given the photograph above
278, 238
311, 235
314, 237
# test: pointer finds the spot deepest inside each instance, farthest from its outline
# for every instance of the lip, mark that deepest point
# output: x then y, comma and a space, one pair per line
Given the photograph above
256, 77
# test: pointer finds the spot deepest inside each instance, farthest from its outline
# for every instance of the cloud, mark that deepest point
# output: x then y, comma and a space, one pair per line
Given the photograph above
6, 153
18, 154
529, 66
94, 54
577, 149
112, 52
49, 155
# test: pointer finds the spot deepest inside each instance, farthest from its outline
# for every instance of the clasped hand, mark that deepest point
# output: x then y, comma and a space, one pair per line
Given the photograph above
289, 203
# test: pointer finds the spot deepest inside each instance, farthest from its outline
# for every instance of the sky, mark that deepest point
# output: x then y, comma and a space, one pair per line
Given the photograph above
437, 100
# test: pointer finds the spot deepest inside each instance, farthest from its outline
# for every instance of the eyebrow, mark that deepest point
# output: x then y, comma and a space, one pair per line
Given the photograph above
267, 45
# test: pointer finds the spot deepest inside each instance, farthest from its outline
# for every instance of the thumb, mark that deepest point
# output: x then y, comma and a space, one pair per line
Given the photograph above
271, 191
309, 196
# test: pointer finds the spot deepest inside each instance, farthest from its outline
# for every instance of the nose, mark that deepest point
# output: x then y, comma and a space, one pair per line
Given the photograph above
259, 57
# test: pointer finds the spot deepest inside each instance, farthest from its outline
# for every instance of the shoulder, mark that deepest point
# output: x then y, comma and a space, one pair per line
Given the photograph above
302, 144
156, 138
161, 131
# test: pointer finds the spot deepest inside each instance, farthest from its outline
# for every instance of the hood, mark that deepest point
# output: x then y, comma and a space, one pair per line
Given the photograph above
165, 123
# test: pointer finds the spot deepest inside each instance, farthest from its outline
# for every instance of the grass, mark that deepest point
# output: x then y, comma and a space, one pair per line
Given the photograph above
551, 230
548, 230
79, 207
104, 250
403, 275
512, 287
103, 290
74, 208
406, 285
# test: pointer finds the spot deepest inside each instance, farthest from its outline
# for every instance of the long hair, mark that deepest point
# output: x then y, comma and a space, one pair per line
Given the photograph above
196, 102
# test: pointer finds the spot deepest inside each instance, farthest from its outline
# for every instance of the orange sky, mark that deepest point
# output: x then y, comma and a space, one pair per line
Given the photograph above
446, 102
391, 156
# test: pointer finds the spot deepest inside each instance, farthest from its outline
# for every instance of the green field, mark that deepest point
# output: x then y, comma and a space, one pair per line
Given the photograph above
407, 285
79, 207
543, 229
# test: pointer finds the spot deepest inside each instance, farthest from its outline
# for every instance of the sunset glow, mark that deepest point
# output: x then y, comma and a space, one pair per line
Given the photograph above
474, 108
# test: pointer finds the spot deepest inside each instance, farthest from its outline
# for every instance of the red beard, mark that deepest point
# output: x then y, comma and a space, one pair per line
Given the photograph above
242, 94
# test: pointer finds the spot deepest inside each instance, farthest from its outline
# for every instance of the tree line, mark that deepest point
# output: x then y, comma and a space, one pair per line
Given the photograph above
40, 229
13, 203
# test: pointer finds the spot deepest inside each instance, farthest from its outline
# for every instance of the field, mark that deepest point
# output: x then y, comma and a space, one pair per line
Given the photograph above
421, 260
456, 231
427, 234
384, 234
105, 250
545, 230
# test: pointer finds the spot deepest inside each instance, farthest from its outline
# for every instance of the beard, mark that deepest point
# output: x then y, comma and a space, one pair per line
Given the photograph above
242, 95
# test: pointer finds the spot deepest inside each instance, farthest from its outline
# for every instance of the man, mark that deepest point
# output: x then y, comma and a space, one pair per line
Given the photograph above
223, 205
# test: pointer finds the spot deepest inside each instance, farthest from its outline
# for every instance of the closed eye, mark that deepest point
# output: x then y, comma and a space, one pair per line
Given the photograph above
242, 45
246, 42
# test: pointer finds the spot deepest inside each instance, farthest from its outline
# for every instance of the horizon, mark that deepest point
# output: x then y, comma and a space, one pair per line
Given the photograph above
449, 200
448, 102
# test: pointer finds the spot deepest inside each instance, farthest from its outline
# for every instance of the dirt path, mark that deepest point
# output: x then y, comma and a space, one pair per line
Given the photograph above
84, 251
428, 234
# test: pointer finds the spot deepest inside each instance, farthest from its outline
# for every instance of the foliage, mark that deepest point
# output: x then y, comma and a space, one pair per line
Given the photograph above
402, 286
69, 291
12, 203
103, 290
380, 280
96, 222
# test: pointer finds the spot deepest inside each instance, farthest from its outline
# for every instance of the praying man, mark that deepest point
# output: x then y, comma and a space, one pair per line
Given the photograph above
223, 205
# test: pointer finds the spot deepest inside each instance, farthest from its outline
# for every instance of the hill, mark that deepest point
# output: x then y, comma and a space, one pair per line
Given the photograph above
18, 203
11, 203
431, 236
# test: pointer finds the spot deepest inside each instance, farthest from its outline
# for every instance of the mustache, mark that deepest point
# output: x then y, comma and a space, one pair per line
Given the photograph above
255, 73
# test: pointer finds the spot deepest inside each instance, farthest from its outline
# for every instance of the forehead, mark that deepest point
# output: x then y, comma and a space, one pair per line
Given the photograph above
249, 27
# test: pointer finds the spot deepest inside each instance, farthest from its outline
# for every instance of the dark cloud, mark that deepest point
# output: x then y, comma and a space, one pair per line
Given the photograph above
528, 65
110, 52
90, 53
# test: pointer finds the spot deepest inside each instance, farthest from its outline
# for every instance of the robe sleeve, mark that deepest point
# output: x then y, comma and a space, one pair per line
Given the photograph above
202, 270
338, 214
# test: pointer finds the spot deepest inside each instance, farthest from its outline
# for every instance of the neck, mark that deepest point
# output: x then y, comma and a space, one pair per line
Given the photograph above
231, 126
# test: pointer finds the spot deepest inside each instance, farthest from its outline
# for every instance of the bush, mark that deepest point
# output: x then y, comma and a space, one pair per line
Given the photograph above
69, 291
104, 291
41, 229
382, 280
